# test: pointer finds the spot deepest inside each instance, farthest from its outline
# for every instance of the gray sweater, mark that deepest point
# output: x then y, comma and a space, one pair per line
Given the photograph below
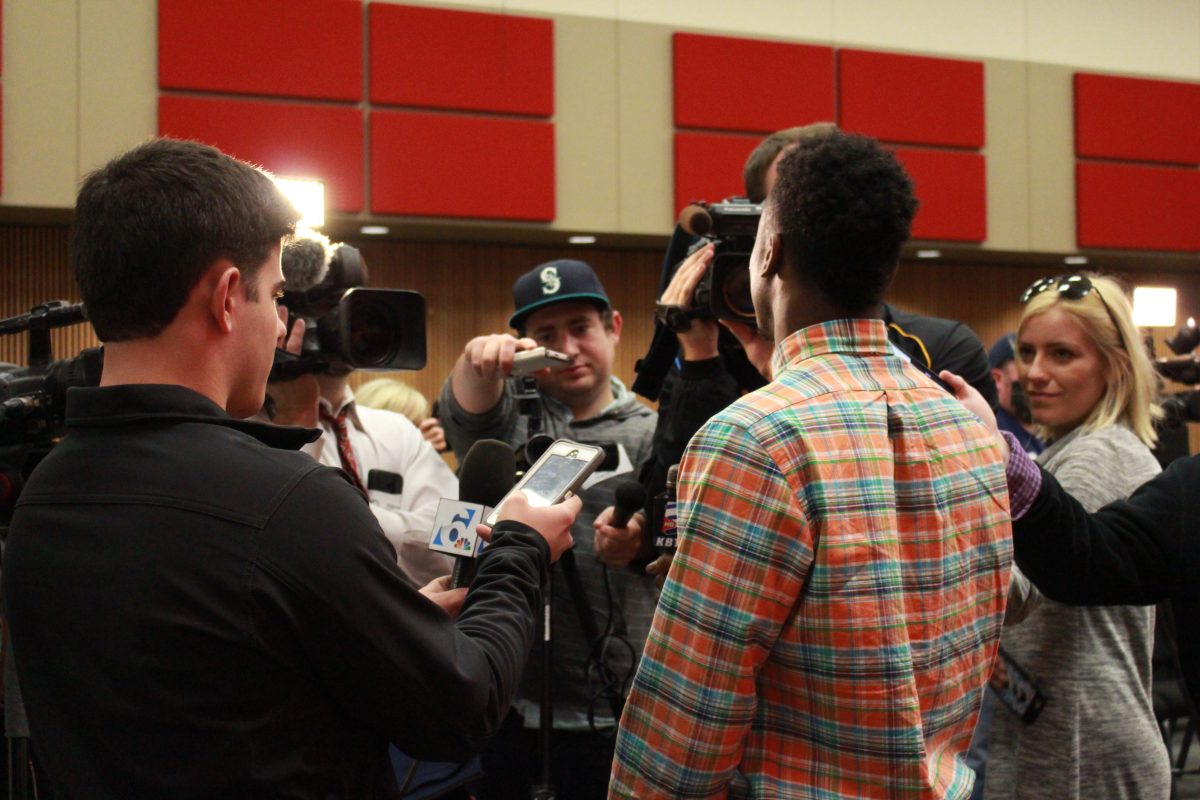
1096, 736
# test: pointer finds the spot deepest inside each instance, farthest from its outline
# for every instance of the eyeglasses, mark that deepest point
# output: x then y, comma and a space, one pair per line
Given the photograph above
1072, 287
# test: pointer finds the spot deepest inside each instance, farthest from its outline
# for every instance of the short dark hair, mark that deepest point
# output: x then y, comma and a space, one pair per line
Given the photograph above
843, 206
754, 174
150, 222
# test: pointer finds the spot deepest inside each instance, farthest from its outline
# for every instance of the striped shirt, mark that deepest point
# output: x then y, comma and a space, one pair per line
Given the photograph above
831, 616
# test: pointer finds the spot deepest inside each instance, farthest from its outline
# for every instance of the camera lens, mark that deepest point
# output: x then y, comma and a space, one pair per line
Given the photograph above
736, 292
372, 336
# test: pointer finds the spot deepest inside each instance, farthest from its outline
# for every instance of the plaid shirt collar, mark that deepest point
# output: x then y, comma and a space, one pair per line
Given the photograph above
857, 336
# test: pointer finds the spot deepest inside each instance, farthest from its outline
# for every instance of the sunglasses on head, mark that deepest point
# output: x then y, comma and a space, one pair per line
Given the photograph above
1071, 287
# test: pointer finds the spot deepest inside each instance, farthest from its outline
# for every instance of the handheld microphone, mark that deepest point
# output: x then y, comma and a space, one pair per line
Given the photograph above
487, 473
630, 496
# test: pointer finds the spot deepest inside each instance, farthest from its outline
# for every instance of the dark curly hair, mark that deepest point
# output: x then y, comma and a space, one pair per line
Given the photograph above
150, 222
843, 206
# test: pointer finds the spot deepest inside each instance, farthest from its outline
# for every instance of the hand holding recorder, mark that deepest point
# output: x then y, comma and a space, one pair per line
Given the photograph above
479, 373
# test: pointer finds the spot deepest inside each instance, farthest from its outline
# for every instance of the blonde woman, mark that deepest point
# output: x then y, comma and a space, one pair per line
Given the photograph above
1092, 389
391, 394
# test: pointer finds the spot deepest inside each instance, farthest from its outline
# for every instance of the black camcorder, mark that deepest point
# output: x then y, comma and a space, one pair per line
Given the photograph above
724, 290
346, 323
33, 397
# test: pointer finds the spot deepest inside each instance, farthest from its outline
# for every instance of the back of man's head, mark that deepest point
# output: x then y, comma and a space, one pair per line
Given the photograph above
843, 206
149, 223
758, 164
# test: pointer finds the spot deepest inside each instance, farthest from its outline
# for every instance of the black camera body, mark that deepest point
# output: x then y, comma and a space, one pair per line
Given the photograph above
346, 323
724, 290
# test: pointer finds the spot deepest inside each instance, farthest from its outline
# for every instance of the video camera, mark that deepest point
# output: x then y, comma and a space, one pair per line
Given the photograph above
345, 323
724, 290
33, 398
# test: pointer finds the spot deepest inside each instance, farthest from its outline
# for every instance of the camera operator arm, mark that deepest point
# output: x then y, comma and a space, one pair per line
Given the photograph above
698, 341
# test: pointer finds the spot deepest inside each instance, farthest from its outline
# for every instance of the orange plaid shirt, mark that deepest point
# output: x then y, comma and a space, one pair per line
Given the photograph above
831, 616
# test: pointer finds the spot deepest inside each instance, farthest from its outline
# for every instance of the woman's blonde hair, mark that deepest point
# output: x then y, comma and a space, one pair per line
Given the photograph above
1106, 316
394, 395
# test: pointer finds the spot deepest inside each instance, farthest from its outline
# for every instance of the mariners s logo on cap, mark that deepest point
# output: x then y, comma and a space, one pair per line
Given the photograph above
551, 283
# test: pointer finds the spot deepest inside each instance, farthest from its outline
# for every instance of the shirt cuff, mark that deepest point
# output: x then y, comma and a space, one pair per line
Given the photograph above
1024, 478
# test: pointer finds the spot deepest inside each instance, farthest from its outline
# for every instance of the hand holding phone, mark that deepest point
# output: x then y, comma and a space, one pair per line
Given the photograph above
530, 361
557, 475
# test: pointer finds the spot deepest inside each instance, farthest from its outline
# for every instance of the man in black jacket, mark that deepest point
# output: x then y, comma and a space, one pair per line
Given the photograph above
197, 610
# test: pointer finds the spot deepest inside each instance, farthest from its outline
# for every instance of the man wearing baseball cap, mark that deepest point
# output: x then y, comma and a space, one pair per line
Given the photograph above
562, 306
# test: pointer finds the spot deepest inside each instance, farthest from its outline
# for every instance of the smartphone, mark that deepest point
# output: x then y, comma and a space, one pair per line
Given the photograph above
1020, 694
528, 361
557, 475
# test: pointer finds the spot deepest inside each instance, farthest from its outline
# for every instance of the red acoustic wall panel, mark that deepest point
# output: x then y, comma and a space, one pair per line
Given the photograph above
911, 99
1136, 207
708, 166
434, 58
452, 165
284, 48
1137, 119
750, 85
952, 189
297, 140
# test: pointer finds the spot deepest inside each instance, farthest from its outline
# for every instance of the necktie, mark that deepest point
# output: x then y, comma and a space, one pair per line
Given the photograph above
345, 453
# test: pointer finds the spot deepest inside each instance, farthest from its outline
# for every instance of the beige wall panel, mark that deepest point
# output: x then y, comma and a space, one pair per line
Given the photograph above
1051, 142
646, 168
585, 123
118, 78
800, 19
1007, 123
974, 28
1151, 37
41, 97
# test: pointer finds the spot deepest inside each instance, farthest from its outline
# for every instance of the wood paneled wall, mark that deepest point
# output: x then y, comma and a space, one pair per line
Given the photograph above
468, 288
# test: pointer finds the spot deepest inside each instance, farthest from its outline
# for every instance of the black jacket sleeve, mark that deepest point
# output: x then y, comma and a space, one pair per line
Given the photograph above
1131, 552
692, 394
390, 658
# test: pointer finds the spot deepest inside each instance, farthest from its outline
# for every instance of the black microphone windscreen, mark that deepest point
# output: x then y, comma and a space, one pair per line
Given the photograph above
537, 446
305, 260
630, 496
488, 472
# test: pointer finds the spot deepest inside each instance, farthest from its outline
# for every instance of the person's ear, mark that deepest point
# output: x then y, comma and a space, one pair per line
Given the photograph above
225, 295
617, 323
772, 257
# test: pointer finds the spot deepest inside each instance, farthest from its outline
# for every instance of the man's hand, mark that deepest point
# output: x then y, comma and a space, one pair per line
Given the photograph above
449, 600
758, 349
618, 546
659, 568
552, 522
491, 357
970, 397
699, 341
295, 400
433, 432
479, 373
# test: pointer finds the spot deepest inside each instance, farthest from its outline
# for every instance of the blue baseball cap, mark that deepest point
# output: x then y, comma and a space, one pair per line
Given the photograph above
1002, 351
555, 282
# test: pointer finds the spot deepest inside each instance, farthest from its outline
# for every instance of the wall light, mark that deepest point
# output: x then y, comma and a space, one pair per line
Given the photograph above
308, 196
1154, 307
581, 240
929, 254
1075, 261
375, 230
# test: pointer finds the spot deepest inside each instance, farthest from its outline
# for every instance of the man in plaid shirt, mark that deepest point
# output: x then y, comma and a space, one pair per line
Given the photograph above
831, 617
